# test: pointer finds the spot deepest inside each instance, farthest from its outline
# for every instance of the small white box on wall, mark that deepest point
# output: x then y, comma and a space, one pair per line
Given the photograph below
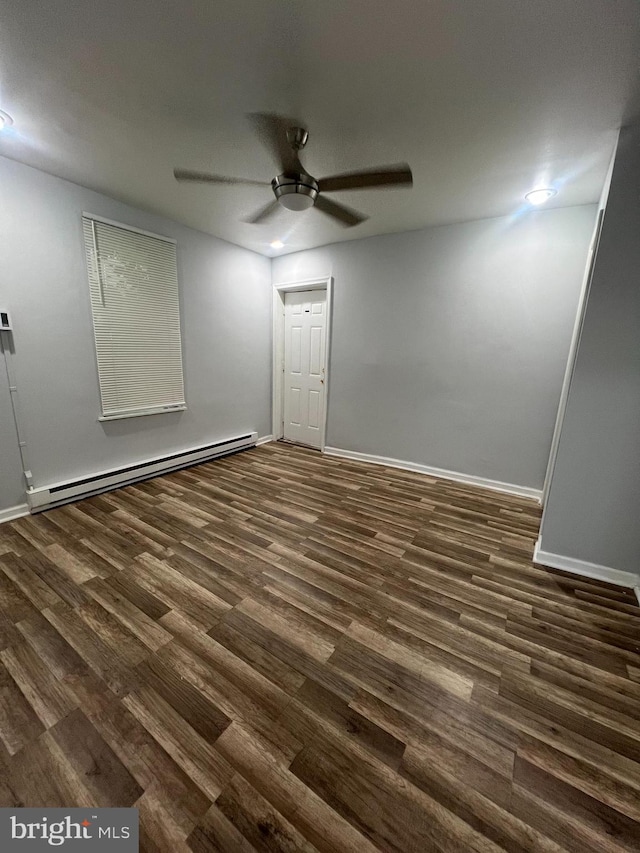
5, 321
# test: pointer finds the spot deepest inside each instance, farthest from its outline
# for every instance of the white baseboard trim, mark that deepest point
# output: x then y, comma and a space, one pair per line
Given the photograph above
13, 512
587, 570
264, 439
469, 479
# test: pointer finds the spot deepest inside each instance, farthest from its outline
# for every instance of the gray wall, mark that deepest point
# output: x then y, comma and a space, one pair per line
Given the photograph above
225, 306
449, 345
593, 509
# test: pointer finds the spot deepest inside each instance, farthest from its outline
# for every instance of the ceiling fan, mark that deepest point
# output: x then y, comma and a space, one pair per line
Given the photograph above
293, 188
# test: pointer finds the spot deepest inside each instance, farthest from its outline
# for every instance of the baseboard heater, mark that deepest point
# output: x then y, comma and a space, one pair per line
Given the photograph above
46, 497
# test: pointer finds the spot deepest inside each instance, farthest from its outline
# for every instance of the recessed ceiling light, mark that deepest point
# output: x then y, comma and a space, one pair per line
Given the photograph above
5, 120
277, 244
540, 196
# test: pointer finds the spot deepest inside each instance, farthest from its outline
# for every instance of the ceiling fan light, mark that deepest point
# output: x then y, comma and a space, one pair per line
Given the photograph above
296, 201
295, 192
541, 195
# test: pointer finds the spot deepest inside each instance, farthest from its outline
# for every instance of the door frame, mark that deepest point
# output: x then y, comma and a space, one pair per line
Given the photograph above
277, 398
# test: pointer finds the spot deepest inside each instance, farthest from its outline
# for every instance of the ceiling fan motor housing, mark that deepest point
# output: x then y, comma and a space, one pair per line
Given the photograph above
295, 192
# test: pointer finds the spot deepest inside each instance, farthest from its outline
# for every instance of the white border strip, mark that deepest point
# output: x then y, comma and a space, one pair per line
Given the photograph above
469, 479
587, 570
265, 439
13, 512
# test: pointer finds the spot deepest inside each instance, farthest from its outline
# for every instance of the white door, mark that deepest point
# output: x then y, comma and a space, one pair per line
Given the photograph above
305, 327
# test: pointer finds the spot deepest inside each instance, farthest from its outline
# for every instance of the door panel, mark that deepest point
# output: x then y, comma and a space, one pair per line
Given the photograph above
314, 410
296, 349
294, 412
305, 322
315, 351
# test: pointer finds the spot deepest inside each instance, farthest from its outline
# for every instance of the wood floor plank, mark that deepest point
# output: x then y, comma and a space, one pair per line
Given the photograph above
39, 593
102, 658
48, 697
9, 633
176, 590
566, 811
207, 720
392, 814
188, 749
103, 774
159, 827
341, 716
280, 650
258, 821
310, 814
42, 775
148, 763
19, 723
477, 810
594, 781
142, 626
14, 604
216, 832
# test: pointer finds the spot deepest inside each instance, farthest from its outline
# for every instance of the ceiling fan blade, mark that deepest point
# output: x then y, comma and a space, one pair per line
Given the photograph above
272, 132
343, 214
207, 178
384, 176
264, 213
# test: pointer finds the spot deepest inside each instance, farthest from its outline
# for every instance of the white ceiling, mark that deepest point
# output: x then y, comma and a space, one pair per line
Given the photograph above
485, 99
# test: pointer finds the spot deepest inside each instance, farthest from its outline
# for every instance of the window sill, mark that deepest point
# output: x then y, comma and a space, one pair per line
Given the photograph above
142, 413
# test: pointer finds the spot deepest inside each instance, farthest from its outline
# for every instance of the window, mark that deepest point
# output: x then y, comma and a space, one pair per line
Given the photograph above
133, 284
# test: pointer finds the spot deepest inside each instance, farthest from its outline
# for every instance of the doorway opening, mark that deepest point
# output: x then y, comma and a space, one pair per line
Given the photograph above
301, 338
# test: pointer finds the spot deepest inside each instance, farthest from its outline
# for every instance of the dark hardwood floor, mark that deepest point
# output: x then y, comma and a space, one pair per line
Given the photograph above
280, 651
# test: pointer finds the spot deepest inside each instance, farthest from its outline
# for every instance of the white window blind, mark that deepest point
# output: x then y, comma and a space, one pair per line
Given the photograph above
133, 283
